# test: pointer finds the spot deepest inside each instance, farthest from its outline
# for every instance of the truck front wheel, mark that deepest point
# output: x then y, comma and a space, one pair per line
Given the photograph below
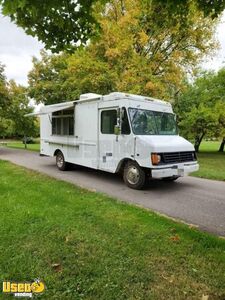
134, 175
60, 161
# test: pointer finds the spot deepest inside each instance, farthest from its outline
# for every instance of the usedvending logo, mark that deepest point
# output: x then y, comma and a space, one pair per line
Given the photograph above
23, 289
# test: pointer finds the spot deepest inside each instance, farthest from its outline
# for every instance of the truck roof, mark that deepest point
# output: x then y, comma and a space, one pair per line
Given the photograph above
118, 96
96, 97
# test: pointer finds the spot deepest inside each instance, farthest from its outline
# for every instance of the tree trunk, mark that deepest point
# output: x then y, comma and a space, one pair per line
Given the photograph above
25, 142
122, 7
222, 145
198, 141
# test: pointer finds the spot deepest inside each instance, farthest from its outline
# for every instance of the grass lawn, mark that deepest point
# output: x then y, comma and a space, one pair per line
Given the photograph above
85, 245
20, 145
212, 162
209, 146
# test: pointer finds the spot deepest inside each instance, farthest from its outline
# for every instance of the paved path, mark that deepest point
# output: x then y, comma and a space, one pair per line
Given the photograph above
193, 200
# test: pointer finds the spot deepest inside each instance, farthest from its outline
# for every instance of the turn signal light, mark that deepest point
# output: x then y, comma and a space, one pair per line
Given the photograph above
156, 158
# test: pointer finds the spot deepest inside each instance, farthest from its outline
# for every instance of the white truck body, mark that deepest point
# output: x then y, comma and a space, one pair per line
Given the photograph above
91, 142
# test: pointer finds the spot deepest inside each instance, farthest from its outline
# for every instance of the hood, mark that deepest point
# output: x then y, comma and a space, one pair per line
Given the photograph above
165, 143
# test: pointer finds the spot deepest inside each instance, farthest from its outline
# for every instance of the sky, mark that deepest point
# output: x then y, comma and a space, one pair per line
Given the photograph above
17, 50
218, 60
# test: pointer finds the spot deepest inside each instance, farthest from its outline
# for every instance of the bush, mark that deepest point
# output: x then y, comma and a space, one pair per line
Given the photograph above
28, 140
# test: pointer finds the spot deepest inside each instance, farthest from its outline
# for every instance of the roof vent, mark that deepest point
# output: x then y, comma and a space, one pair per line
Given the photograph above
89, 96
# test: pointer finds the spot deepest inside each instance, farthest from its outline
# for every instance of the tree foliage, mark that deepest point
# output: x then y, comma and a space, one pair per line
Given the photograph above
201, 108
150, 48
141, 49
18, 108
64, 77
14, 104
3, 90
61, 24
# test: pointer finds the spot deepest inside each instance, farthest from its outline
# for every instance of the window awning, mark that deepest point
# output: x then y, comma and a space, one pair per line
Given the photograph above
48, 109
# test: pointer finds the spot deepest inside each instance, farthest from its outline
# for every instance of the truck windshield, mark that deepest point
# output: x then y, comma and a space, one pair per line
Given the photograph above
147, 122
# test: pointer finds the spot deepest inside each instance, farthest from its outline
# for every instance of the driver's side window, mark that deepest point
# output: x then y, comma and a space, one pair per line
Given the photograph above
108, 121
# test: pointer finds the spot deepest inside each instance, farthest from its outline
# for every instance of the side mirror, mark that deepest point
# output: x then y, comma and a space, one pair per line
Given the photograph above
117, 130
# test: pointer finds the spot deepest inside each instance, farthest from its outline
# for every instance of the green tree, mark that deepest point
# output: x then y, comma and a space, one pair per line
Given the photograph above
61, 24
2, 75
218, 93
201, 108
18, 108
6, 127
150, 48
47, 78
5, 123
199, 122
221, 130
14, 104
59, 78
3, 90
138, 50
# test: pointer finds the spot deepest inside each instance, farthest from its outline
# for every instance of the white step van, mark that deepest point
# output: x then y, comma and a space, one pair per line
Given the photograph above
118, 133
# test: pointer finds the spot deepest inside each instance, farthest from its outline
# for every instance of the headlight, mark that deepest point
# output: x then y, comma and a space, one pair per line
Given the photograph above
156, 158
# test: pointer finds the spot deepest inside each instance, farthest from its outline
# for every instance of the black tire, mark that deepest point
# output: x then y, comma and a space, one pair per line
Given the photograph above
134, 176
61, 164
173, 178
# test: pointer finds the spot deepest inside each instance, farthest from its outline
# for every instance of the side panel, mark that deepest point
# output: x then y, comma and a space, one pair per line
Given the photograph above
45, 134
86, 136
143, 153
82, 147
112, 148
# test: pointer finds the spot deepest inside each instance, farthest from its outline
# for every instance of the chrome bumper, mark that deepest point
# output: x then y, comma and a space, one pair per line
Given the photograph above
177, 170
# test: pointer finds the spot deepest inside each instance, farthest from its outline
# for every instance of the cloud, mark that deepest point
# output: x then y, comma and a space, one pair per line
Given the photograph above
16, 50
218, 60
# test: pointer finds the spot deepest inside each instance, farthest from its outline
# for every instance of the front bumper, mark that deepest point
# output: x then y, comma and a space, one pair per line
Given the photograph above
174, 171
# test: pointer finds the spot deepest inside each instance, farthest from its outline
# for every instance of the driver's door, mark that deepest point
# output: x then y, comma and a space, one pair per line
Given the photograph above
108, 140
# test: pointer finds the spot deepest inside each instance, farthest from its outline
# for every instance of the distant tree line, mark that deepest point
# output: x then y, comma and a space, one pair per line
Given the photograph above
14, 104
201, 108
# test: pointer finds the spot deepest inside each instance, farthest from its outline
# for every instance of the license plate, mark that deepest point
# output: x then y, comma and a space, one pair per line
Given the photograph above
180, 172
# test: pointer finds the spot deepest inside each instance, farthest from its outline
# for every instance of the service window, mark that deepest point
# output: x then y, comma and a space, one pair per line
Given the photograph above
63, 122
54, 126
108, 121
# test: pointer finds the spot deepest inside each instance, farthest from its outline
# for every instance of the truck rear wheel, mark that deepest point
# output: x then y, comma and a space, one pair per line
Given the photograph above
60, 161
134, 175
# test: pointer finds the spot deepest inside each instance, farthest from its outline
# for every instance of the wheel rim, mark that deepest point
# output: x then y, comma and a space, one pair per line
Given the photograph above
133, 175
59, 160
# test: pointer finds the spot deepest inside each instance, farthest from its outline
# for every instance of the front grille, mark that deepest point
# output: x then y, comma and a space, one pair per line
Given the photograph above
177, 157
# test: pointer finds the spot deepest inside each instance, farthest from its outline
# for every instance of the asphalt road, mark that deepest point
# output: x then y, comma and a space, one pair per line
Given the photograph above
193, 200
